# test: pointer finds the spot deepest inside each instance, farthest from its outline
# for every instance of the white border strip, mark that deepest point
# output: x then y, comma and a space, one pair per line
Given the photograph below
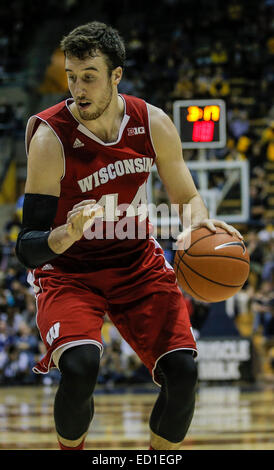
27, 138
88, 133
149, 127
66, 346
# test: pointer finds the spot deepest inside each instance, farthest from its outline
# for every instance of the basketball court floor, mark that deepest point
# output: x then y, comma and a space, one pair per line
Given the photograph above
227, 417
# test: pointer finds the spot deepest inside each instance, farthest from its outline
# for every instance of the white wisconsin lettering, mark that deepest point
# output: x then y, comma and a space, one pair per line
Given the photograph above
114, 170
86, 184
120, 171
111, 173
129, 166
103, 175
139, 165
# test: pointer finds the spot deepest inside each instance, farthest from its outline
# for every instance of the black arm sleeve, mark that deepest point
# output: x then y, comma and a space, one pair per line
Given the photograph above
32, 247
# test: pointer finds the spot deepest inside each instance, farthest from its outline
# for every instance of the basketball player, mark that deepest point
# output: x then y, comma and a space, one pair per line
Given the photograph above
92, 149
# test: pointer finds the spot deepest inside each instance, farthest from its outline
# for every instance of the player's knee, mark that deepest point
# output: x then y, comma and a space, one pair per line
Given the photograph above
79, 368
179, 370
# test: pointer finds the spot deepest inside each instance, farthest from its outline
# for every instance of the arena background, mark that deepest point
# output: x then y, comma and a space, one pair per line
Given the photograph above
176, 50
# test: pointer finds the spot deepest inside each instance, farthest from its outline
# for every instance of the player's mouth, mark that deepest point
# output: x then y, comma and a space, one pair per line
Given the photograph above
84, 104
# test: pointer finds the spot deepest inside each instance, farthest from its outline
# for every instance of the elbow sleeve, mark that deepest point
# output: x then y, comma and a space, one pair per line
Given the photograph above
32, 247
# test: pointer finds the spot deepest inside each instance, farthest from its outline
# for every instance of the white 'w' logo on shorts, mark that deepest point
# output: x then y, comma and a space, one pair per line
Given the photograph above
53, 333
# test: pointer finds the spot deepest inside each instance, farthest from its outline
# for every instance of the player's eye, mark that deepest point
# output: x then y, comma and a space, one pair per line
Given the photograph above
89, 78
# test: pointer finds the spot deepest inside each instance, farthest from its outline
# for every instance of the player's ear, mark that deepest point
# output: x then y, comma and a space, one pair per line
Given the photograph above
117, 75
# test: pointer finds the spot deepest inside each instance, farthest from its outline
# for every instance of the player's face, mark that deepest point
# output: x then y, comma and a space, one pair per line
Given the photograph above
90, 85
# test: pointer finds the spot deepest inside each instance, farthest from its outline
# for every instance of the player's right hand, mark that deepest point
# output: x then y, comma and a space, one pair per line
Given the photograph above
81, 217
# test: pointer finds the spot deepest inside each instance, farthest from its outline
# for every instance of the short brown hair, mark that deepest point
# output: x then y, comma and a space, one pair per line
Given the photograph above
92, 37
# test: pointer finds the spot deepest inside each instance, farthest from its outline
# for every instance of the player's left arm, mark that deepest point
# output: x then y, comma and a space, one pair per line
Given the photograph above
175, 174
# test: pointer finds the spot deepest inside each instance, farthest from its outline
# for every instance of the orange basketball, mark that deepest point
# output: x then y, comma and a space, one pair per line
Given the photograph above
214, 267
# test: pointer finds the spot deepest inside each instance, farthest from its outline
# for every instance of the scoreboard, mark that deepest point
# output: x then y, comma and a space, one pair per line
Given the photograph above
200, 123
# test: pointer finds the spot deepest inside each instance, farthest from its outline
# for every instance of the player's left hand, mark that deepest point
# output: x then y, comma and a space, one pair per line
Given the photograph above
211, 224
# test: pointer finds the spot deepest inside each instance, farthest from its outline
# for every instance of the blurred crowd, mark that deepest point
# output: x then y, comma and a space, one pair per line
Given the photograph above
222, 50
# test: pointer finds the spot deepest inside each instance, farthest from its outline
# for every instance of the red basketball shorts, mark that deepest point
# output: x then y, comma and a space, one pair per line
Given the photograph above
143, 302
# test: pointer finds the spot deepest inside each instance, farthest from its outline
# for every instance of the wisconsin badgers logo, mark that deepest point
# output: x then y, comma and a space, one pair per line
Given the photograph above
53, 333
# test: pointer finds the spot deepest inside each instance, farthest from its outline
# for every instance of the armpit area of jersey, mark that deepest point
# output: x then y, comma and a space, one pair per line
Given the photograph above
32, 247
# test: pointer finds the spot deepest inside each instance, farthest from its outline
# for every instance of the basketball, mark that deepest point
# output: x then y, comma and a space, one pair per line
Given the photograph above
214, 267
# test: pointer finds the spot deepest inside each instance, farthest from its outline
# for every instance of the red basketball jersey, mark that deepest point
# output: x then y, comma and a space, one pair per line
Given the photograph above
114, 174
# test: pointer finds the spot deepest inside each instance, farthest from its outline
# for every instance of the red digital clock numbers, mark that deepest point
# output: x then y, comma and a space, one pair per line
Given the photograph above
203, 119
203, 131
201, 123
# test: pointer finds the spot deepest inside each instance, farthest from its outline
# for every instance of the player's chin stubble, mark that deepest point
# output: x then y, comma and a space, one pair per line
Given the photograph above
101, 108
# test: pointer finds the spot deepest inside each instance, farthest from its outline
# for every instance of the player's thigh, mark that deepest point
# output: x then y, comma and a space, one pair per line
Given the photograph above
68, 312
155, 325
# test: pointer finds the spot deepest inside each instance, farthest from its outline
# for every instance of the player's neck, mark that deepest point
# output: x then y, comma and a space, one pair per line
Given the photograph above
107, 126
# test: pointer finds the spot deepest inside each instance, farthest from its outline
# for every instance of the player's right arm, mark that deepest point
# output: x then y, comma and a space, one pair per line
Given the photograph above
37, 243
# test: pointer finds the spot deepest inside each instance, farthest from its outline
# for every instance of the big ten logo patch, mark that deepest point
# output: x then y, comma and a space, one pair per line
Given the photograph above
53, 333
136, 130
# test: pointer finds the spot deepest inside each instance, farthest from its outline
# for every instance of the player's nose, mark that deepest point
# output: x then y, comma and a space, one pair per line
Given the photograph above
79, 89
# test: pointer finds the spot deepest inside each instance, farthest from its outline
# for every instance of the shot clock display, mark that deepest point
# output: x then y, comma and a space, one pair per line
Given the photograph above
200, 123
